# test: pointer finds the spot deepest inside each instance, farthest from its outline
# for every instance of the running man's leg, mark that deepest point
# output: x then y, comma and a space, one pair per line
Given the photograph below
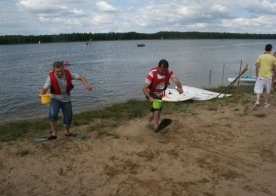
156, 117
258, 89
268, 87
53, 115
67, 116
151, 118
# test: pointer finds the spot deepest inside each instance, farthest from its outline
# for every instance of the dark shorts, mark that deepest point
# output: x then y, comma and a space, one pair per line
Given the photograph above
66, 108
154, 97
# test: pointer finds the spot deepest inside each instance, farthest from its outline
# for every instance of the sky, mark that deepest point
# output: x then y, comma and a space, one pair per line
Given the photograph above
47, 17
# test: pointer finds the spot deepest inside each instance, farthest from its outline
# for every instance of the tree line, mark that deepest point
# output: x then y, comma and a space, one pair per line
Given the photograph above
85, 37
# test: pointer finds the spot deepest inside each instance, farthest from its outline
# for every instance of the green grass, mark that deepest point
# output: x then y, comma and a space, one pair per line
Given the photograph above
228, 125
14, 130
22, 153
261, 115
244, 89
108, 134
113, 116
110, 116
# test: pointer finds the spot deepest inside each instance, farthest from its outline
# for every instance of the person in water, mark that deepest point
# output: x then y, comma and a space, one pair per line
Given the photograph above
155, 85
59, 81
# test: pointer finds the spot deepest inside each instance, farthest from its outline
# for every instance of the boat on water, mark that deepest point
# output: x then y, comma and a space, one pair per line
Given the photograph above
141, 45
244, 79
88, 42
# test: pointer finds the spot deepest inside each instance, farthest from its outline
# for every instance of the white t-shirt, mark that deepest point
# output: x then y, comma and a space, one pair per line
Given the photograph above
62, 82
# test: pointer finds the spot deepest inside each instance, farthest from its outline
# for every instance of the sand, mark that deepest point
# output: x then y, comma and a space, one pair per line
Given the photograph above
226, 150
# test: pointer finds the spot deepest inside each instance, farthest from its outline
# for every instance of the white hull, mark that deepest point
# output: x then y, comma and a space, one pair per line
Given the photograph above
172, 95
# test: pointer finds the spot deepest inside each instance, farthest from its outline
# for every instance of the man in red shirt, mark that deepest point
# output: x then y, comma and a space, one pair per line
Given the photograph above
155, 85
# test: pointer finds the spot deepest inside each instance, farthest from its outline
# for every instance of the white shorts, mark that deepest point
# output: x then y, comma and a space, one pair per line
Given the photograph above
263, 85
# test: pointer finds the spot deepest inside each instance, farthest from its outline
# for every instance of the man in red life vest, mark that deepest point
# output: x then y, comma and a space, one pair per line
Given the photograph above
60, 84
155, 84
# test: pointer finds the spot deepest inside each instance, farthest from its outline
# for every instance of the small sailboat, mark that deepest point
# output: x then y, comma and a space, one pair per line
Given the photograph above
88, 42
141, 45
244, 79
39, 42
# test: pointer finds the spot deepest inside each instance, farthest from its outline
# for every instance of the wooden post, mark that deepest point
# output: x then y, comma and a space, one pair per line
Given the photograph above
210, 76
234, 81
238, 86
222, 75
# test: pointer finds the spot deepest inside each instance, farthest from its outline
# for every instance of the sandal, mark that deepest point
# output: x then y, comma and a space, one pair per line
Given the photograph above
52, 137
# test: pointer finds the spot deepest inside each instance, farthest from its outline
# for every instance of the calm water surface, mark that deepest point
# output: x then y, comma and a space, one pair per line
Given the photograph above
116, 69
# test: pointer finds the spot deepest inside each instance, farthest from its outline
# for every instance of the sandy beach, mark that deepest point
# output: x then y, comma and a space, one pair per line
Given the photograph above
213, 149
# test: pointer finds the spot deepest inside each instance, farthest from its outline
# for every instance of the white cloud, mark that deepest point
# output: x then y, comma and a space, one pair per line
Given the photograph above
201, 25
67, 16
103, 6
218, 7
254, 22
185, 10
77, 12
38, 5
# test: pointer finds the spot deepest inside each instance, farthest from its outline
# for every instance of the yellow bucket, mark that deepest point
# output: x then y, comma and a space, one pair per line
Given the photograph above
157, 103
45, 98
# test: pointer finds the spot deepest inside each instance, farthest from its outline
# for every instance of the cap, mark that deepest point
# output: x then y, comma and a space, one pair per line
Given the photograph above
65, 63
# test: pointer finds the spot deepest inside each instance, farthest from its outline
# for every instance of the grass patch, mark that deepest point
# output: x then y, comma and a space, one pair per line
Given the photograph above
243, 89
261, 115
110, 116
115, 115
169, 107
102, 123
228, 125
14, 130
245, 110
23, 153
128, 110
109, 134
212, 107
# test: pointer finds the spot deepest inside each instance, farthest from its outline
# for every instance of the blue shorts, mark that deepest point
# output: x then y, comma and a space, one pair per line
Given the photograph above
66, 108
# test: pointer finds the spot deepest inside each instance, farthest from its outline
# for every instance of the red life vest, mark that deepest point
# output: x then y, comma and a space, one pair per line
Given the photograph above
54, 83
155, 80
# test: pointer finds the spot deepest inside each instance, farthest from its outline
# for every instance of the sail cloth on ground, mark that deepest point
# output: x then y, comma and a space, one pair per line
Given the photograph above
172, 95
191, 93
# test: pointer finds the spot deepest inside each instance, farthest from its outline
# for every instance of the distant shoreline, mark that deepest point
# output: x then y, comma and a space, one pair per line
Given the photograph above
112, 36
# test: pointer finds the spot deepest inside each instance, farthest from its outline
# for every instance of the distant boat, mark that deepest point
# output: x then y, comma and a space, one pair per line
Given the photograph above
88, 42
244, 79
39, 42
141, 45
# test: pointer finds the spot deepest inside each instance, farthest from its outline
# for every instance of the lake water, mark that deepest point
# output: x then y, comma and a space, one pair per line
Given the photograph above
116, 69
